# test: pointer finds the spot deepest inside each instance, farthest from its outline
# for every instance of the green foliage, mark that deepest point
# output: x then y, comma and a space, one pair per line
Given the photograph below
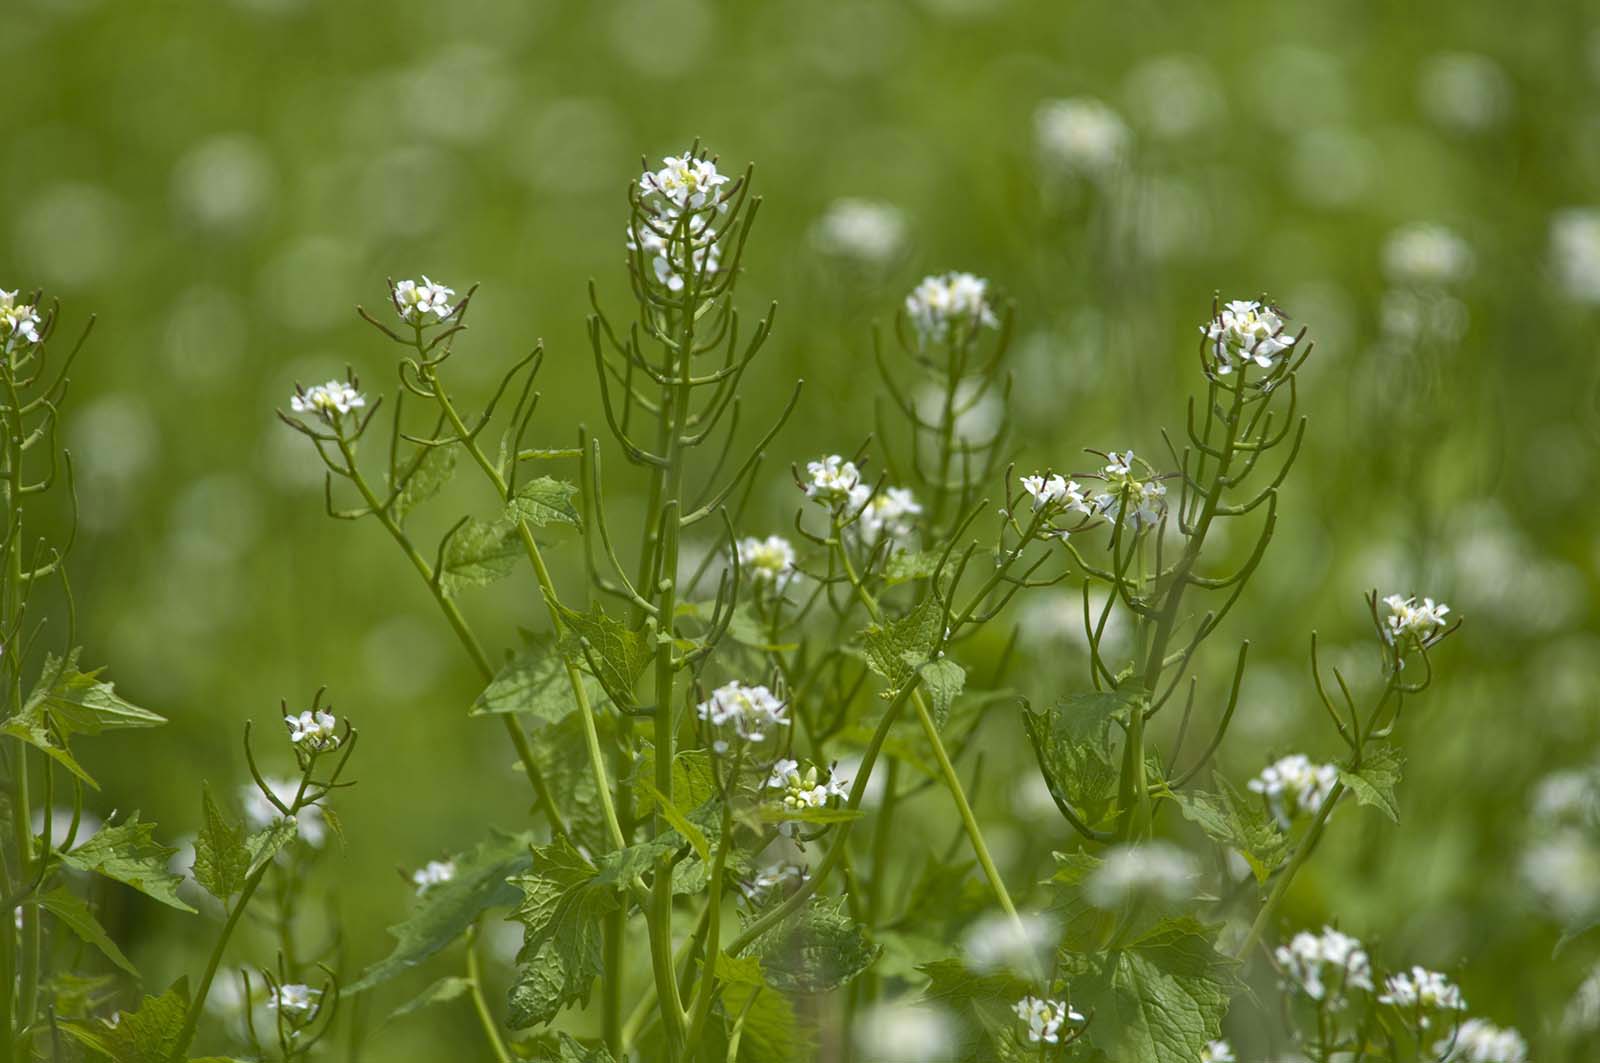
563, 898
147, 1034
445, 911
1374, 782
76, 916
480, 553
543, 502
897, 648
1232, 820
128, 853
66, 702
1072, 744
425, 477
816, 949
616, 654
535, 683
441, 992
569, 1050
768, 1029
222, 857
942, 682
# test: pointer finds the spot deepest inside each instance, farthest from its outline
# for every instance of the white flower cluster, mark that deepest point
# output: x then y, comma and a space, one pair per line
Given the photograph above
1246, 331
433, 873
1218, 1052
1057, 491
17, 319
1157, 870
801, 790
1478, 1041
1422, 990
294, 999
416, 302
768, 561
1081, 135
1325, 966
751, 712
1020, 945
327, 401
313, 729
886, 514
1294, 786
831, 480
947, 307
1045, 1018
1426, 256
861, 230
1407, 620
677, 236
902, 1032
1141, 500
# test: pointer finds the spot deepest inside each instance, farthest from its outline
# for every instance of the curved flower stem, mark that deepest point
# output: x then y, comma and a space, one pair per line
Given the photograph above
475, 981
1281, 886
952, 780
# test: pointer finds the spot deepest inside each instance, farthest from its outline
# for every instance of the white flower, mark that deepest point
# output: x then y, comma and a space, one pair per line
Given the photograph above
1140, 501
767, 561
294, 999
1056, 490
675, 255
1575, 247
751, 712
433, 873
1020, 945
1154, 869
314, 729
1408, 620
1081, 135
1422, 990
805, 789
949, 307
1249, 332
771, 878
1325, 966
1426, 256
327, 401
902, 1032
1563, 871
1478, 1041
1045, 1018
1218, 1052
889, 512
831, 480
17, 319
684, 182
416, 301
1567, 798
1294, 786
867, 232
261, 813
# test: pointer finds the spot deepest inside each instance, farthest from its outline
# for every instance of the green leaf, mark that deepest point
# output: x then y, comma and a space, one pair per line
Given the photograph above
1073, 744
561, 752
221, 856
441, 992
908, 565
82, 703
817, 949
543, 502
1374, 783
569, 1050
75, 915
982, 1002
445, 911
561, 911
768, 1029
897, 648
1230, 819
129, 853
535, 683
148, 1034
680, 823
267, 843
426, 477
942, 681
1160, 997
616, 655
32, 725
480, 553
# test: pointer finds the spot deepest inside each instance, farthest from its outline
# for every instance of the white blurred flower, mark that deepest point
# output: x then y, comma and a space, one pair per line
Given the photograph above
416, 302
1567, 799
1326, 966
1422, 990
1158, 870
1044, 1018
1248, 331
1081, 135
294, 999
1175, 96
771, 878
1582, 1013
1408, 620
1427, 256
1563, 871
768, 561
17, 320
1294, 786
433, 873
1575, 251
902, 1032
950, 307
1464, 91
328, 401
1478, 1041
261, 813
61, 823
889, 513
750, 712
1021, 945
976, 410
315, 730
860, 230
1218, 1052
830, 480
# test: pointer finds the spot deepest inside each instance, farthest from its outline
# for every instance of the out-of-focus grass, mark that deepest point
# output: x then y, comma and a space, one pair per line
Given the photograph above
220, 182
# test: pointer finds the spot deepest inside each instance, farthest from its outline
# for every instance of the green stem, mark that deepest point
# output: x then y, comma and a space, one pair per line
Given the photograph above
1281, 886
475, 981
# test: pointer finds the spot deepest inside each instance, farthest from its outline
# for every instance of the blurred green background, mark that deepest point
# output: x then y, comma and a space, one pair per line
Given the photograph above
221, 182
